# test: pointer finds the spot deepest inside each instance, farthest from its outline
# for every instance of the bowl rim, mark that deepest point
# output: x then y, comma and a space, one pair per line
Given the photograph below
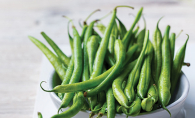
180, 99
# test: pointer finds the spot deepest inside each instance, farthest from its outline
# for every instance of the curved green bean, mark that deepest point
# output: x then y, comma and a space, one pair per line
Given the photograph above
54, 60
134, 75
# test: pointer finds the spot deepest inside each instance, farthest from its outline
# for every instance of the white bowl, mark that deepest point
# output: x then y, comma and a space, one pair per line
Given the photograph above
175, 106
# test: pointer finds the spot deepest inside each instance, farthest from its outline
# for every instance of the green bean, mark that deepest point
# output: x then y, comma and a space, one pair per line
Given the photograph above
121, 28
67, 76
172, 46
77, 67
85, 25
70, 38
133, 38
140, 40
74, 109
81, 85
101, 101
85, 75
101, 27
127, 36
134, 75
54, 60
135, 109
118, 108
157, 43
120, 52
117, 85
145, 74
113, 37
177, 65
152, 97
164, 83
92, 46
40, 115
110, 103
60, 54
98, 63
102, 111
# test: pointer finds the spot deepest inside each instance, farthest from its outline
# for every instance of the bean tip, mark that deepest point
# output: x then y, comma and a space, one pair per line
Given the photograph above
85, 94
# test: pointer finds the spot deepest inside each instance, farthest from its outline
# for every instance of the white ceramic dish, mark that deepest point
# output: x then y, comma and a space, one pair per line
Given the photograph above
175, 107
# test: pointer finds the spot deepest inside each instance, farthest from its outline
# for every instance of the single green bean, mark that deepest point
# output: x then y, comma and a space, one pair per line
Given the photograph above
92, 46
152, 97
70, 37
145, 75
121, 28
157, 61
113, 37
99, 60
67, 76
40, 115
177, 65
74, 109
60, 54
54, 60
110, 103
127, 36
77, 67
164, 83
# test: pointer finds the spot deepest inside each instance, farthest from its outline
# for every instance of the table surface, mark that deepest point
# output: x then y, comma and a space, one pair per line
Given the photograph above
20, 62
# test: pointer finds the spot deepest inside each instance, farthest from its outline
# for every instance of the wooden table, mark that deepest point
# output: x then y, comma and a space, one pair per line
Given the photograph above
20, 60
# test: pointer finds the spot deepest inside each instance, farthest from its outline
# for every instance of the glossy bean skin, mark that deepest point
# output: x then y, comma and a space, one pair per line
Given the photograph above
99, 60
92, 46
120, 52
110, 103
85, 75
164, 83
133, 38
121, 28
135, 109
127, 36
80, 86
134, 75
60, 54
40, 115
117, 85
177, 65
67, 76
157, 60
74, 109
172, 45
113, 37
54, 60
76, 75
145, 75
152, 97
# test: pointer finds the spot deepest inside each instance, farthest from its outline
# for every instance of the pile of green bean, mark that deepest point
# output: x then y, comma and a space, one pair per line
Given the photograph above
120, 72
